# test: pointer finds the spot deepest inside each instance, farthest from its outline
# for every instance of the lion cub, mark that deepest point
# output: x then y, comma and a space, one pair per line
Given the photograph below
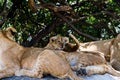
62, 43
33, 62
86, 62
57, 42
110, 48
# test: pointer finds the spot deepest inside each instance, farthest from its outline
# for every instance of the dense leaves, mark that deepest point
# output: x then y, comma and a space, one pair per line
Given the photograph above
87, 19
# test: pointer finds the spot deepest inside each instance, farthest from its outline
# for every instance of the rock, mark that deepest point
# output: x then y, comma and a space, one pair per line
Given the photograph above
92, 77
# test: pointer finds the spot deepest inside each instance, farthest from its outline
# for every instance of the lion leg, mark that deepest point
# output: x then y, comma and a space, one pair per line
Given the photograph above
98, 69
45, 64
73, 76
90, 70
31, 73
36, 71
10, 71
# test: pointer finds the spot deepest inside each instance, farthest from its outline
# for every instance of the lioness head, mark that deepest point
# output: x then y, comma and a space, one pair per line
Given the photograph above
57, 42
8, 33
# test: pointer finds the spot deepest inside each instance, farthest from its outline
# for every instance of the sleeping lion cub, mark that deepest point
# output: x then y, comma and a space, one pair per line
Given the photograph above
110, 48
33, 62
86, 62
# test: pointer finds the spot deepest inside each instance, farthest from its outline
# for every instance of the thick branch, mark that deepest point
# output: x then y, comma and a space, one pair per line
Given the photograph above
76, 30
42, 33
50, 6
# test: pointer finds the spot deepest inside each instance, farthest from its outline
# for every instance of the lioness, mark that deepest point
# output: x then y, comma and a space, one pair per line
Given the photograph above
33, 62
90, 62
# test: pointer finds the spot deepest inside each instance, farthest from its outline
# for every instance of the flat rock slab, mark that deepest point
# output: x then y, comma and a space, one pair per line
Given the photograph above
92, 77
29, 78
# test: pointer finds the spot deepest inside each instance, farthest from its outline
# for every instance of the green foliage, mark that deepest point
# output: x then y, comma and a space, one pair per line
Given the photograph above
94, 18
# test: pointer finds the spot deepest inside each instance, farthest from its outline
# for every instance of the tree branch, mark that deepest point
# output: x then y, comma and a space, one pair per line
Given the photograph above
42, 33
76, 30
50, 6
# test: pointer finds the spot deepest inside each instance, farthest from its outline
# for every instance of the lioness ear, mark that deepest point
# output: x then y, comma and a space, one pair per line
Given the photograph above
10, 32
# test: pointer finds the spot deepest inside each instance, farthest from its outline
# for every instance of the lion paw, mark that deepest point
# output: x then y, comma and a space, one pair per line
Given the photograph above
18, 73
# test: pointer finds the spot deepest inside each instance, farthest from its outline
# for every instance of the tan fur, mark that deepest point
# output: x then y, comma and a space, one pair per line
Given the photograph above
9, 32
110, 48
62, 43
115, 53
92, 62
86, 59
101, 46
33, 62
57, 42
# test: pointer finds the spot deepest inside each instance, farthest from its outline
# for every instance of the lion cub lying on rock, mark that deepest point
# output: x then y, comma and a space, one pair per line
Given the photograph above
33, 62
110, 48
86, 62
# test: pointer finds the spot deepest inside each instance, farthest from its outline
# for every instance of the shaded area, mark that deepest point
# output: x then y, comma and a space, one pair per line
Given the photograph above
88, 19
